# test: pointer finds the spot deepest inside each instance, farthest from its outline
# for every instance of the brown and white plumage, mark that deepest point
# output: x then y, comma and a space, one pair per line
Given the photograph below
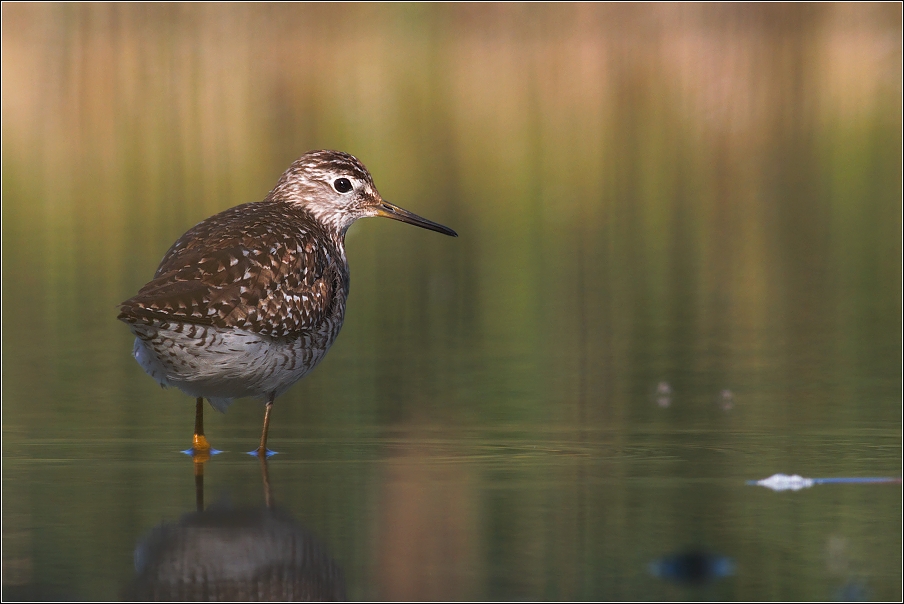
248, 301
240, 270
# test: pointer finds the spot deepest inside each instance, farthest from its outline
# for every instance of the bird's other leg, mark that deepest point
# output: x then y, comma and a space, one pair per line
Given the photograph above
262, 450
199, 443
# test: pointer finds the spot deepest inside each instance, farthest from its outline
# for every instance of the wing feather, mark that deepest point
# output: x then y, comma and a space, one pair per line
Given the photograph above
244, 268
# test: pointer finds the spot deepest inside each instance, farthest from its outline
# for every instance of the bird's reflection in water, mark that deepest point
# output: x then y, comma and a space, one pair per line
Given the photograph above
234, 554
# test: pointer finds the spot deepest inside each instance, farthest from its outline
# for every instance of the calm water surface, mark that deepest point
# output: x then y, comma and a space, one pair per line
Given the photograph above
678, 270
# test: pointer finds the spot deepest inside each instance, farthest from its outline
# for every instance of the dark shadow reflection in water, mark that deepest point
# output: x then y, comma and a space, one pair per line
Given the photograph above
692, 567
248, 554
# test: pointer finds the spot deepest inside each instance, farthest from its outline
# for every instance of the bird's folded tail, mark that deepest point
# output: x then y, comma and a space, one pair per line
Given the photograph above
220, 404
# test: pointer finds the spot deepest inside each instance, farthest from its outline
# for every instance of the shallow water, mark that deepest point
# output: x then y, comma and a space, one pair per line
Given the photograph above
678, 270
439, 513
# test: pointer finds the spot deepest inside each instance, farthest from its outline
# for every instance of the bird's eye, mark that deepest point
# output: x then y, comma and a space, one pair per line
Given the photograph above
343, 185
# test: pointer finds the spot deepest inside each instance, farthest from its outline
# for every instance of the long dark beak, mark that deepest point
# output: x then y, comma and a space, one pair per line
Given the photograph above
396, 213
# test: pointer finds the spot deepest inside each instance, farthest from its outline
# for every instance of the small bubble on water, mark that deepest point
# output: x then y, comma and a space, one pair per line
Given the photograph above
726, 400
663, 394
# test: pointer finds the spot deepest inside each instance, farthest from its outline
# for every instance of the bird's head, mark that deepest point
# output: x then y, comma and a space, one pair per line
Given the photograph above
337, 190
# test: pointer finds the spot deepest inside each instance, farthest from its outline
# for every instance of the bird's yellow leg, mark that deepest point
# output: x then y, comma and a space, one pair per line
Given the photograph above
262, 450
199, 443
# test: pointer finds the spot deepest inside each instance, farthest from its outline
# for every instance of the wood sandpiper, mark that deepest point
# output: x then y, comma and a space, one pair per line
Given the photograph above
247, 302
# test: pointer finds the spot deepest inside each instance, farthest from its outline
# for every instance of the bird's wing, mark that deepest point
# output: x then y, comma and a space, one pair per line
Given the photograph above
234, 272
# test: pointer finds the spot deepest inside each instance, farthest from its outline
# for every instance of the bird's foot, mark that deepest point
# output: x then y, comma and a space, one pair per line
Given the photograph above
265, 453
201, 456
199, 443
201, 450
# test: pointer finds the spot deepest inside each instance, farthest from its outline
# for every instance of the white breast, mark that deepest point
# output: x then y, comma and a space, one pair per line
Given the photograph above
224, 364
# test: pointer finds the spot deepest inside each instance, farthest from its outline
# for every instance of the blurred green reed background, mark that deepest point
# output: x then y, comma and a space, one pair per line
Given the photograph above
704, 194
610, 168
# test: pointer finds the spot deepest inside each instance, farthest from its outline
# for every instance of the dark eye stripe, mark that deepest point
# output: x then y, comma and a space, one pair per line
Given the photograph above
343, 185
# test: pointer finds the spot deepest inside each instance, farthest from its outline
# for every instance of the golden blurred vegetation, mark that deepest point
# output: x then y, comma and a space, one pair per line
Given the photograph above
628, 179
703, 194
